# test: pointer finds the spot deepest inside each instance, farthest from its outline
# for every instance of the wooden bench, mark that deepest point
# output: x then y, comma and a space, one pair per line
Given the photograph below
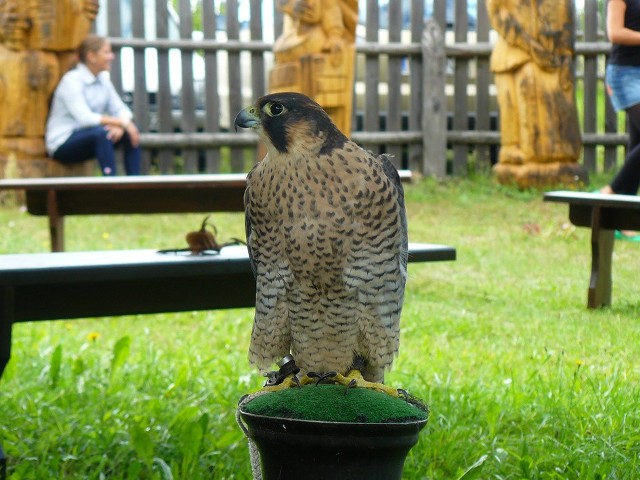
67, 285
62, 196
603, 214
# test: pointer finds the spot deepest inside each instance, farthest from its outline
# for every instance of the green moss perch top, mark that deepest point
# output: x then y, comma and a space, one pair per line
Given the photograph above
335, 404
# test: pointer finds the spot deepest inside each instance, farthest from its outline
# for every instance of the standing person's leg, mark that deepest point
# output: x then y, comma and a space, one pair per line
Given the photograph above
627, 180
88, 143
633, 116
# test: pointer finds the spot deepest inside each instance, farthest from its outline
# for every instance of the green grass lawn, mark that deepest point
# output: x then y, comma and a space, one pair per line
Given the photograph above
521, 378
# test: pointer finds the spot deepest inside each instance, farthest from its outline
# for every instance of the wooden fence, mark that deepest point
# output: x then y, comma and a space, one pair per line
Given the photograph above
188, 73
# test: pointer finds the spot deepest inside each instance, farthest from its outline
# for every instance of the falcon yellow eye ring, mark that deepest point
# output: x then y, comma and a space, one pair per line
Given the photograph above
274, 109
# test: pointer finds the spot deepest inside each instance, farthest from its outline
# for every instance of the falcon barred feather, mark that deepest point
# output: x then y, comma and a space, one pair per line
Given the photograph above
327, 237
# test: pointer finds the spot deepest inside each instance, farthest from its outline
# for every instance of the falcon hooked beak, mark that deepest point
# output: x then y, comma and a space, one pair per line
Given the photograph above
247, 118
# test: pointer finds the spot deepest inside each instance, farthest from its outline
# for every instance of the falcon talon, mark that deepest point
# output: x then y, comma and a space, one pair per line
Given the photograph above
415, 401
324, 376
352, 384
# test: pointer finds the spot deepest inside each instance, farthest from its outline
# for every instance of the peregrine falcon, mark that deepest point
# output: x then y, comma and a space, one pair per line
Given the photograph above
327, 237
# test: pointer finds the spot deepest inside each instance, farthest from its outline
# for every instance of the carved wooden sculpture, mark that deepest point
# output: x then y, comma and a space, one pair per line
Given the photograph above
532, 64
315, 54
37, 40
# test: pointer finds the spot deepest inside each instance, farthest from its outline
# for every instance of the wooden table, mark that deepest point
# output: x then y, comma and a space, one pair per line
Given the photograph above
603, 214
61, 196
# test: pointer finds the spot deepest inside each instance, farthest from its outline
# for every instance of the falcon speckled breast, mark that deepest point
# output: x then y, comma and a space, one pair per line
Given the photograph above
327, 237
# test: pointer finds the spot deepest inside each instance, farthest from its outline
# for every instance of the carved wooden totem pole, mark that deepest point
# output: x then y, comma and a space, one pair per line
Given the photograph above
315, 54
532, 63
37, 43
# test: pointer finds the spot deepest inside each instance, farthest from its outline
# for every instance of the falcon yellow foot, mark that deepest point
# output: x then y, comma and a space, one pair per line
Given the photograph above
354, 379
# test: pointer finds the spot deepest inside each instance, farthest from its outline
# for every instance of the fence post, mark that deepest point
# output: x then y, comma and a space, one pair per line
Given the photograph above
590, 85
434, 107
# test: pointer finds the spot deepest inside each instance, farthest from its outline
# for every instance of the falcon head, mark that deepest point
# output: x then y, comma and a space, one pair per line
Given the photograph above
291, 123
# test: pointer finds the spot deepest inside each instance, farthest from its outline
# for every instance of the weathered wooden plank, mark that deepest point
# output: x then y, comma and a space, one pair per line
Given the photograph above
140, 95
434, 105
415, 151
258, 66
590, 84
187, 96
114, 29
394, 72
460, 82
468, 137
211, 95
483, 84
258, 81
609, 140
235, 79
163, 96
399, 49
372, 75
440, 14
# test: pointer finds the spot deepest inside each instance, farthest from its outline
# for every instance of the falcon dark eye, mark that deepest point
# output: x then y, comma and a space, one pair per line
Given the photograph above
274, 109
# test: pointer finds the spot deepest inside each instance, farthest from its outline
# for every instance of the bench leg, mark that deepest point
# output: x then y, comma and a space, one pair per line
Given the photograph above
6, 320
56, 222
601, 255
6, 324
